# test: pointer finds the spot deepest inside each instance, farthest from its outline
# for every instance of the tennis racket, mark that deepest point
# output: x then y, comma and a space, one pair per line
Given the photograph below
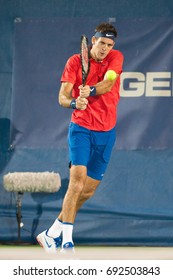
85, 58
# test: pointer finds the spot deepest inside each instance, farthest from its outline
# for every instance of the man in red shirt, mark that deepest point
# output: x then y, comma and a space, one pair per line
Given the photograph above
92, 132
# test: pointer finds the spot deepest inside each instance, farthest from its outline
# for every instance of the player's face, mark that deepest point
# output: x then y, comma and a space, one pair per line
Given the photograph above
101, 47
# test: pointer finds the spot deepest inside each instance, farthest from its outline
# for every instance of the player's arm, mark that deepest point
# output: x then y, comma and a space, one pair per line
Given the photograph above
100, 88
65, 98
106, 85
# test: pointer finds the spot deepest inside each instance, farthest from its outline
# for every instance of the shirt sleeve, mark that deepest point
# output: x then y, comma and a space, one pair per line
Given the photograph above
70, 71
115, 61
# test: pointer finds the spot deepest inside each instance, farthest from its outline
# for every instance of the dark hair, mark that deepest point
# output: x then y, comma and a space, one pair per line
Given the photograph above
106, 27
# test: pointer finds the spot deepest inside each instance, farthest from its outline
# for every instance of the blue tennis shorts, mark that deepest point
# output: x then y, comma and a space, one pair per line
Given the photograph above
90, 148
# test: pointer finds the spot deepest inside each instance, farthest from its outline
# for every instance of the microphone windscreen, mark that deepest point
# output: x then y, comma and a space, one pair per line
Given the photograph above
32, 182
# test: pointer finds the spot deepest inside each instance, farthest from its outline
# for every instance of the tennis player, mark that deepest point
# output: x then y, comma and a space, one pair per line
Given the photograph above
92, 131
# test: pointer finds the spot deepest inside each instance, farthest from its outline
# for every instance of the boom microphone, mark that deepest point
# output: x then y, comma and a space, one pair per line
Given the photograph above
32, 182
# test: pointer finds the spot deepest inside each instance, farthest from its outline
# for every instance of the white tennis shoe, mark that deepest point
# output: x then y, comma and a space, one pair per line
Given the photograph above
49, 244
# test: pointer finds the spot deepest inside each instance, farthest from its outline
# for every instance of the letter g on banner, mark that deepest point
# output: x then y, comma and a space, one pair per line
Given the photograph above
132, 84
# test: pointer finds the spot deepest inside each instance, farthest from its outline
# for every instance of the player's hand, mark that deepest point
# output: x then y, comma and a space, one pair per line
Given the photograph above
81, 103
84, 91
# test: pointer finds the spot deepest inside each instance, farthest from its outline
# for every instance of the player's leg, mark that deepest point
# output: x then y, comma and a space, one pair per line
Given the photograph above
50, 239
69, 210
78, 192
79, 151
88, 191
76, 184
72, 203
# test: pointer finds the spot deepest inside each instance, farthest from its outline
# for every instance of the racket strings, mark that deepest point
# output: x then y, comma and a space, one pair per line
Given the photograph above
85, 56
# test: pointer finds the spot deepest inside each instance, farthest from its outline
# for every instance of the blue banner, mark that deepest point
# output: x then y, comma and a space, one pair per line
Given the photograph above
145, 115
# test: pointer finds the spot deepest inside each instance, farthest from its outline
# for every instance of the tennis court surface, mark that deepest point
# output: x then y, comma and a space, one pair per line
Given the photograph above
10, 252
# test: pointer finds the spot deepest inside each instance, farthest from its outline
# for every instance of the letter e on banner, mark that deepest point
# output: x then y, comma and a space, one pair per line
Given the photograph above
158, 84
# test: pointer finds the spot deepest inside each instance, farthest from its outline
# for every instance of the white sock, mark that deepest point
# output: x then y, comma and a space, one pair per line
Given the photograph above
56, 229
67, 233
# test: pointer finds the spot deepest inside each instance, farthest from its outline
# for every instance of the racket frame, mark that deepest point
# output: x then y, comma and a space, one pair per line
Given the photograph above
84, 71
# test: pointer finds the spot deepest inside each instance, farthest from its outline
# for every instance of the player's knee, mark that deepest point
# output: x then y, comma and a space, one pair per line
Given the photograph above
76, 186
78, 176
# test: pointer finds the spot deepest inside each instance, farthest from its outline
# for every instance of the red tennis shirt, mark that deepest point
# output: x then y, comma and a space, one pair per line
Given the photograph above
101, 111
